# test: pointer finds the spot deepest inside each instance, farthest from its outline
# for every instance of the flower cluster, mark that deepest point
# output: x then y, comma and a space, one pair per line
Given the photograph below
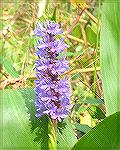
52, 92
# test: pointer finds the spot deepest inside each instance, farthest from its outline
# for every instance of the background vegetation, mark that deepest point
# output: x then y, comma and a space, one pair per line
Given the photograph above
90, 107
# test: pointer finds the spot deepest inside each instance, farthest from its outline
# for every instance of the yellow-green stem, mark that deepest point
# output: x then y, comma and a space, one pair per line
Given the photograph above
53, 136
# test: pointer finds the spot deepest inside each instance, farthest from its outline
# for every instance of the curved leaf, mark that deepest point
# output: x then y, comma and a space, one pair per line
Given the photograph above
20, 128
105, 136
110, 55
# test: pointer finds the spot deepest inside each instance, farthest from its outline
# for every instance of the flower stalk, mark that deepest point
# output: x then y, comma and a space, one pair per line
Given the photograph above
52, 92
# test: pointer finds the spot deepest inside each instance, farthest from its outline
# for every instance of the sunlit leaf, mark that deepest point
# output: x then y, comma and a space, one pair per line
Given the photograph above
110, 56
20, 128
76, 31
10, 69
91, 35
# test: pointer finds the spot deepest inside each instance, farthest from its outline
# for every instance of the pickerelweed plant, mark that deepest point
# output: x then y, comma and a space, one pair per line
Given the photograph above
52, 91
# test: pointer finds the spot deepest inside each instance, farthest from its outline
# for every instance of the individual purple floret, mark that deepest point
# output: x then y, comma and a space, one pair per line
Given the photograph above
52, 92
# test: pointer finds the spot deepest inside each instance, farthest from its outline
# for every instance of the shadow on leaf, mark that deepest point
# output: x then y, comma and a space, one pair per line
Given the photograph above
39, 126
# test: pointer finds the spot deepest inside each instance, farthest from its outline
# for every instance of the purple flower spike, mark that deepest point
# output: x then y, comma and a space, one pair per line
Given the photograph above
52, 93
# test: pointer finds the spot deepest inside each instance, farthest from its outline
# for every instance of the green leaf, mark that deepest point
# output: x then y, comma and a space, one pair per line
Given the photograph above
10, 69
96, 112
82, 127
2, 24
66, 136
20, 128
82, 109
110, 56
54, 14
93, 101
91, 35
69, 54
76, 31
105, 136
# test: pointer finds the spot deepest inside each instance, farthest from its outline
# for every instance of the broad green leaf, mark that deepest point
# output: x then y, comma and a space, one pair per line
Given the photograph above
66, 135
105, 136
110, 55
20, 128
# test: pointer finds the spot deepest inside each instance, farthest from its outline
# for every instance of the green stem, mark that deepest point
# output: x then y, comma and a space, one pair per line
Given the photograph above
53, 136
96, 49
